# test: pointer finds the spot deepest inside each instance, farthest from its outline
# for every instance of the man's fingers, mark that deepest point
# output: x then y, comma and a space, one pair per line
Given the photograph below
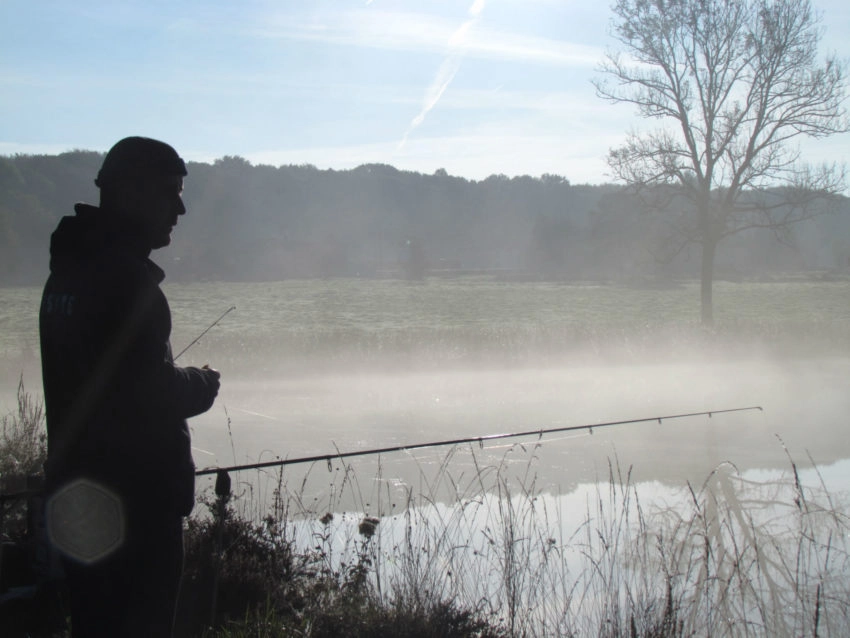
213, 370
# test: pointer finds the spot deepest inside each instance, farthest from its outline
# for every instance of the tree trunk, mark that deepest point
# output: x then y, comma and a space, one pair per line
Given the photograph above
709, 248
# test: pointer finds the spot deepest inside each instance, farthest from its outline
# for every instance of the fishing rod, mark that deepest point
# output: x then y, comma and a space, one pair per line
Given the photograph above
208, 328
471, 439
222, 472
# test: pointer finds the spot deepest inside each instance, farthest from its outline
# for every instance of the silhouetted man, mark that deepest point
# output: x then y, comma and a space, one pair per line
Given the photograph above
120, 475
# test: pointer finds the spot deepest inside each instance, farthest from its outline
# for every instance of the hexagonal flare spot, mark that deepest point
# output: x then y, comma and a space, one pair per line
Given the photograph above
85, 521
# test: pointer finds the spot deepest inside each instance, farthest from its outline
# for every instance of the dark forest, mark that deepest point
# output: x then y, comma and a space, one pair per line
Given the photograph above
259, 223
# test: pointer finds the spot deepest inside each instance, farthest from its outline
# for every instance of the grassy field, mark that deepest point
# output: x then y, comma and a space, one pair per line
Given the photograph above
446, 320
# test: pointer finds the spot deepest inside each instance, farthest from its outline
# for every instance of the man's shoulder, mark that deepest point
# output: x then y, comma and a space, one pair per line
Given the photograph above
107, 280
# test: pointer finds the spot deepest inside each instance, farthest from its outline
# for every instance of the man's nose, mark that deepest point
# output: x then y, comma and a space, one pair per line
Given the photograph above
181, 208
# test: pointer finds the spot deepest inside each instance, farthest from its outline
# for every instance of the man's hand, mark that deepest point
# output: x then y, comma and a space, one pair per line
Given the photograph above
212, 376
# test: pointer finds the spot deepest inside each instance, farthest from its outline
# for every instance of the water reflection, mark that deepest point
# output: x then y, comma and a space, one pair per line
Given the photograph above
756, 549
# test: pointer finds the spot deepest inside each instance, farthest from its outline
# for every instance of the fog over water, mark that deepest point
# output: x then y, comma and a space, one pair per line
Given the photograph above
805, 406
451, 501
273, 405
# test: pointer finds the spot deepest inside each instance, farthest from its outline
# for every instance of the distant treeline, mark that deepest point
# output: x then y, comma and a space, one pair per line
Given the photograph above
249, 222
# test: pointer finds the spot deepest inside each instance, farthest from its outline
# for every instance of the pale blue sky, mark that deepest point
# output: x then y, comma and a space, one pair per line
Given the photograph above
474, 86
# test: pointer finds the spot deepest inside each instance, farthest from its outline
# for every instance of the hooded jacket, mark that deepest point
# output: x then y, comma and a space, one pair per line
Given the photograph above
116, 404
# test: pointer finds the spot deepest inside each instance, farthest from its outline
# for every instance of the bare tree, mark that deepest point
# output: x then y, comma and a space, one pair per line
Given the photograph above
731, 83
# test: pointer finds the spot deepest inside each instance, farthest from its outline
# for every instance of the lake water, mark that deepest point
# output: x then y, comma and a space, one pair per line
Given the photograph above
271, 405
803, 417
471, 515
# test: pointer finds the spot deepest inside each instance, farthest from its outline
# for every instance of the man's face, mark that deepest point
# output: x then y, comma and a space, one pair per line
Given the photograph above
155, 206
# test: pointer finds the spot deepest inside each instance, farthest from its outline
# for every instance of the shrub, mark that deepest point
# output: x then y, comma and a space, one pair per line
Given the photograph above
23, 451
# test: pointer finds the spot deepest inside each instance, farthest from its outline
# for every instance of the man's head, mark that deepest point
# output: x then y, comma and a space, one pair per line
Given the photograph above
141, 180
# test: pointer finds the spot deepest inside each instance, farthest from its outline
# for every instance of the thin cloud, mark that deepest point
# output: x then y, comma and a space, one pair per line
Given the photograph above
418, 32
448, 69
477, 7
555, 103
445, 75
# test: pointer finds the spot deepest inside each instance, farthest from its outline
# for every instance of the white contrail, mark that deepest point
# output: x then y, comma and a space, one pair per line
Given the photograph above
448, 69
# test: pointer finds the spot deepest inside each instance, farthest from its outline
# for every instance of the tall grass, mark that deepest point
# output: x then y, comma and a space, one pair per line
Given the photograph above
23, 437
732, 557
23, 451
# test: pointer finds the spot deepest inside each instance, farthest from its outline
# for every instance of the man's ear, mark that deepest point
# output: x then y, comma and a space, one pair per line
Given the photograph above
122, 197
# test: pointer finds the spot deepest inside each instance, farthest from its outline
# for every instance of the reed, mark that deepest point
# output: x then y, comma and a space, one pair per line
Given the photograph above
732, 557
23, 451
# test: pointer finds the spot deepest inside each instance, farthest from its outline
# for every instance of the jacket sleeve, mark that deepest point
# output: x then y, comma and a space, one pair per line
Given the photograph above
192, 391
147, 380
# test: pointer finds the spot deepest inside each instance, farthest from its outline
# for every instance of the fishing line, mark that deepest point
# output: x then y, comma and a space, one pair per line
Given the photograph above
222, 472
208, 328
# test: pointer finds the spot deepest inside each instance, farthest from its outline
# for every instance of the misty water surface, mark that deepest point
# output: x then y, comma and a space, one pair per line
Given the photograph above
804, 403
271, 405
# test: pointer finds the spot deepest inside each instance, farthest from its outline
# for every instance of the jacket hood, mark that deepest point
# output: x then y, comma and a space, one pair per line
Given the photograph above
88, 235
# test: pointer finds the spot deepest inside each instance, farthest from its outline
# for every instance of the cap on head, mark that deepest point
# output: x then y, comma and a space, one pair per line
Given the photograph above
135, 157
